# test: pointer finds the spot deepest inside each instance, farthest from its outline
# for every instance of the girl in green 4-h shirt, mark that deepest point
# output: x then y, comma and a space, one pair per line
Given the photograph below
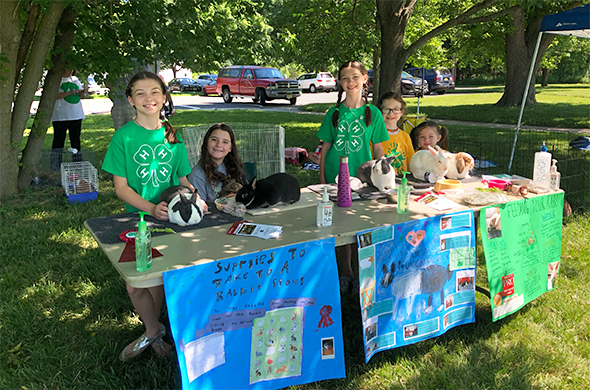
349, 129
146, 156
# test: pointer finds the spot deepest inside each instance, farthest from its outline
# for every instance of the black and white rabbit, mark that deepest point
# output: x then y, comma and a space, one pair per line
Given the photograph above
277, 188
185, 207
378, 173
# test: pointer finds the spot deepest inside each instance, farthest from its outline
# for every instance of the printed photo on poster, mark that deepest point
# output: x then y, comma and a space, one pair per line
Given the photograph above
415, 277
493, 223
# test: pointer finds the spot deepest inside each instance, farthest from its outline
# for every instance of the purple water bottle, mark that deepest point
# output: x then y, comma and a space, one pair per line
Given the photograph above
344, 194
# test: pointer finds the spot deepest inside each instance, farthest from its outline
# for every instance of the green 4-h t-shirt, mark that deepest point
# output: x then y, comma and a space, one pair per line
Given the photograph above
148, 162
352, 138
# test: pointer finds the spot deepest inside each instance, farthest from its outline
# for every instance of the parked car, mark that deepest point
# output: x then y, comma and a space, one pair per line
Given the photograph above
410, 85
259, 83
439, 80
205, 79
313, 82
210, 89
94, 88
183, 85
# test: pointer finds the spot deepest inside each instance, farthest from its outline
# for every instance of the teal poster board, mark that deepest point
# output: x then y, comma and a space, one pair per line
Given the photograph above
522, 246
417, 280
260, 321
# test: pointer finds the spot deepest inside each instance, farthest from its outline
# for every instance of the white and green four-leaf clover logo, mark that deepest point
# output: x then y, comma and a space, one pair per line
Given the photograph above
350, 136
154, 164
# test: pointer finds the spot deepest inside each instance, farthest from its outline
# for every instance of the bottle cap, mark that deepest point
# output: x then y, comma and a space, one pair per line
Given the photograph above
404, 180
141, 225
325, 197
344, 159
543, 147
554, 165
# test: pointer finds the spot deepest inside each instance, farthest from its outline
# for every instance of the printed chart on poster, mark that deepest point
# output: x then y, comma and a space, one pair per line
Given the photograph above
260, 321
417, 280
522, 246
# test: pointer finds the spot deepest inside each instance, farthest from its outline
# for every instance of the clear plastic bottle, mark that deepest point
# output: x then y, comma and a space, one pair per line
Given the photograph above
541, 174
402, 195
555, 177
325, 207
143, 246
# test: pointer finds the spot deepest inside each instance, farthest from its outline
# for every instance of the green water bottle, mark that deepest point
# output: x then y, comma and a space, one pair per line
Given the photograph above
143, 245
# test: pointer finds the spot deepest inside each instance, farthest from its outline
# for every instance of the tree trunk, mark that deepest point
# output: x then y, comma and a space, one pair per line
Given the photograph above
544, 74
393, 18
27, 36
33, 72
9, 41
520, 48
32, 151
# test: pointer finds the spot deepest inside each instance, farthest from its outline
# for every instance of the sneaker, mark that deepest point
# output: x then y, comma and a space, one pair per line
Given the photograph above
345, 282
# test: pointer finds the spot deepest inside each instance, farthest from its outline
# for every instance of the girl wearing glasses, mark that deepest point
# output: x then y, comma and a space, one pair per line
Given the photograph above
393, 107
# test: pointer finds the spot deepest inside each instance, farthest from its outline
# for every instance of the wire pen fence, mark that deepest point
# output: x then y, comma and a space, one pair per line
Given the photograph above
493, 156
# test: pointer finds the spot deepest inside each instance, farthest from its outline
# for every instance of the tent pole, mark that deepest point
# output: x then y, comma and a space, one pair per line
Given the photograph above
524, 96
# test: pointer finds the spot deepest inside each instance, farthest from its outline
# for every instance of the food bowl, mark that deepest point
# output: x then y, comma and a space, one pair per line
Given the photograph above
447, 184
501, 184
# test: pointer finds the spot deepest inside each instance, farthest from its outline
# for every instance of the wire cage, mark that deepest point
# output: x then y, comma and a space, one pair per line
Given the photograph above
494, 157
261, 146
79, 181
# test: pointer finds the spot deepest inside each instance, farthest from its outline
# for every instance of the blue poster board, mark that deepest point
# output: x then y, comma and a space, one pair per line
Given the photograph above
259, 321
417, 280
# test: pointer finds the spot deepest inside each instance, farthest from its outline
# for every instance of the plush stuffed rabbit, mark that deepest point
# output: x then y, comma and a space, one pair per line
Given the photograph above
460, 165
280, 187
184, 206
378, 173
429, 165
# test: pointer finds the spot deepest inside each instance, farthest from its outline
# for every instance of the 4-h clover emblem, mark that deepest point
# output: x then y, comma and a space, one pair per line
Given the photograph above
349, 136
153, 164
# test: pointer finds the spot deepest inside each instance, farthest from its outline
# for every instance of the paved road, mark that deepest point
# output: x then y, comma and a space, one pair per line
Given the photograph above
196, 102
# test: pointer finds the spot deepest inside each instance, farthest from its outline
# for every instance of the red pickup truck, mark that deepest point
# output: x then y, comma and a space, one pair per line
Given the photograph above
256, 82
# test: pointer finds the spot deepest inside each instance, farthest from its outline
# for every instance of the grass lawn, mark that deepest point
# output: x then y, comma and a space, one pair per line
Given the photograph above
65, 314
562, 105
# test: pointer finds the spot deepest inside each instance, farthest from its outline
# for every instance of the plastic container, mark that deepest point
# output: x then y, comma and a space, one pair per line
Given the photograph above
447, 184
555, 177
143, 246
324, 211
403, 192
541, 169
344, 192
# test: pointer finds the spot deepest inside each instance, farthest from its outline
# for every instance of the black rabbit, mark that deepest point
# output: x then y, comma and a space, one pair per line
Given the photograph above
280, 187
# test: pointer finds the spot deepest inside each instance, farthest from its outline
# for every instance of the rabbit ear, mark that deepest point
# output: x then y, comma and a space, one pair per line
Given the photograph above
253, 183
432, 151
460, 164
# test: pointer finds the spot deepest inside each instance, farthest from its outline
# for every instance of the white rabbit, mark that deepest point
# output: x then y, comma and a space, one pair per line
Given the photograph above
429, 165
378, 173
460, 165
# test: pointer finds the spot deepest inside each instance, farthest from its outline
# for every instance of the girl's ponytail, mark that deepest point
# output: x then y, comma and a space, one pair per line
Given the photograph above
368, 113
444, 138
335, 115
170, 131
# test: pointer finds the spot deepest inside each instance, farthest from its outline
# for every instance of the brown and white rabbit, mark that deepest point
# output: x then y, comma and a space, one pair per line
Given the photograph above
460, 165
429, 165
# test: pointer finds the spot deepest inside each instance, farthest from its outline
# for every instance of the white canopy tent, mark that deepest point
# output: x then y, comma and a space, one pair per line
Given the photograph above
574, 22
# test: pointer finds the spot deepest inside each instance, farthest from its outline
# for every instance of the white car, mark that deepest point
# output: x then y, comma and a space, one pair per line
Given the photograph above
94, 88
313, 82
205, 79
